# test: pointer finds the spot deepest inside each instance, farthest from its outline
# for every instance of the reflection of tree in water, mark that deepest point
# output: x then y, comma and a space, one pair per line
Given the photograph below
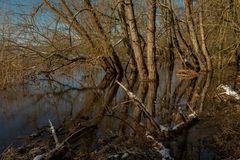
124, 116
186, 93
115, 114
110, 108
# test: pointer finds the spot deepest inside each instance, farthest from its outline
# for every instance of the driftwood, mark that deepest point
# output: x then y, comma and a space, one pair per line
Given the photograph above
188, 120
54, 134
62, 147
142, 106
159, 147
226, 93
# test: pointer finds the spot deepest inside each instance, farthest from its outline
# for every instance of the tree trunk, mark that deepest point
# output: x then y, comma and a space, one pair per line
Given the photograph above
151, 45
203, 46
151, 98
192, 33
135, 40
141, 94
105, 40
173, 34
126, 41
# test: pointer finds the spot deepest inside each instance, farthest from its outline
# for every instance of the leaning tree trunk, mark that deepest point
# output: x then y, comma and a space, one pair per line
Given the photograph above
192, 34
203, 46
126, 37
135, 40
66, 14
105, 40
151, 45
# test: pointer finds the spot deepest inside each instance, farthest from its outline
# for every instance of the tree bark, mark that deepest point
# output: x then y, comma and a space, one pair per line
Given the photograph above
135, 40
151, 45
151, 98
126, 41
203, 46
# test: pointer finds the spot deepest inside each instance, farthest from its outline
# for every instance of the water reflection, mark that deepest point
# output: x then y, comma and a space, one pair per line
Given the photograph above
24, 109
96, 99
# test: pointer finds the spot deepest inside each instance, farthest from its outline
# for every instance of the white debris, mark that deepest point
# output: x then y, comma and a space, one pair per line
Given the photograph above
191, 116
160, 148
163, 128
177, 126
165, 153
113, 156
149, 136
125, 155
39, 157
142, 124
131, 95
229, 91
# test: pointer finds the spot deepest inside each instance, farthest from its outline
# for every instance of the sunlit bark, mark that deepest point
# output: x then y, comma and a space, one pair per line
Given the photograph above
192, 34
151, 44
126, 40
203, 45
135, 40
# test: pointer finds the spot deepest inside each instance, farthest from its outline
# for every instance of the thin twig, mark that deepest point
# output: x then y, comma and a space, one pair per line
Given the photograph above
54, 134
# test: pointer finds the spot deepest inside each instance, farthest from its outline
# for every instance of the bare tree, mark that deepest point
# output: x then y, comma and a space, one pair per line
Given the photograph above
69, 17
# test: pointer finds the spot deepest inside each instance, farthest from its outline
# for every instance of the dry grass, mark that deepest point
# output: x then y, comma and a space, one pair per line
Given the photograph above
186, 73
11, 70
8, 154
228, 139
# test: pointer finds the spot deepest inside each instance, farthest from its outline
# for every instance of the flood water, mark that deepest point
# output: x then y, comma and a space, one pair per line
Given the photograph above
91, 97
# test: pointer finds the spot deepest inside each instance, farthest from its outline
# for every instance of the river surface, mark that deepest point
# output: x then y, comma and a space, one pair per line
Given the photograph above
93, 97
